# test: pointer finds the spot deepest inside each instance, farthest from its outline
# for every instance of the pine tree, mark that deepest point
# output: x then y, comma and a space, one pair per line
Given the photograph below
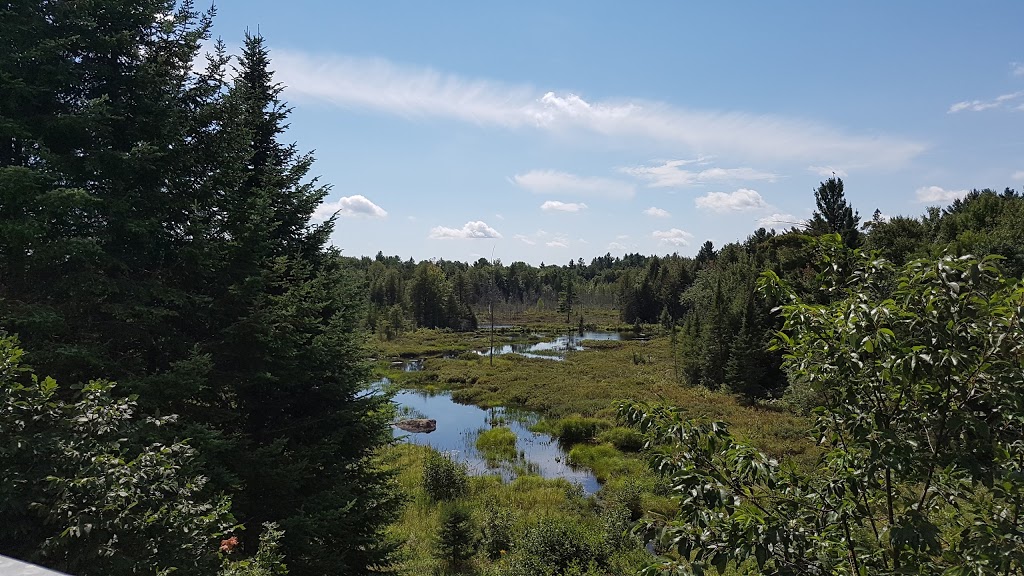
833, 215
567, 296
289, 350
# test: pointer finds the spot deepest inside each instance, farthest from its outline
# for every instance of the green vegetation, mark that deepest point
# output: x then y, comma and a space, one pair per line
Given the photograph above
918, 372
156, 230
497, 444
444, 478
527, 526
810, 409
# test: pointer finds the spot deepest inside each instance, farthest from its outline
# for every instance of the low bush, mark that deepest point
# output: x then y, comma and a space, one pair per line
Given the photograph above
576, 429
561, 545
497, 444
443, 477
625, 439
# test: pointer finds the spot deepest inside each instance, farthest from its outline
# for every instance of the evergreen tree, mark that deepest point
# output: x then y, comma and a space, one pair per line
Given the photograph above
288, 349
833, 215
567, 296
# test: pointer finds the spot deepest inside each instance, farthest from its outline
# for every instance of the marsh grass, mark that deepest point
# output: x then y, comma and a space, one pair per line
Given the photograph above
497, 445
505, 513
590, 383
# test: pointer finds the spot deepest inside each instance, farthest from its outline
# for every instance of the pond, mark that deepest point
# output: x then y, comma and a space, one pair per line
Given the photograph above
557, 348
458, 426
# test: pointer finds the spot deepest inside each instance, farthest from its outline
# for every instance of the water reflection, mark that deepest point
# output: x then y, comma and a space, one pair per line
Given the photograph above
553, 349
459, 424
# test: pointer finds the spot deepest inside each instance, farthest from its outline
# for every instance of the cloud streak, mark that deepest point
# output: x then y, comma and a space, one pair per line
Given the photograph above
380, 85
937, 194
657, 212
348, 207
554, 182
1000, 101
556, 206
672, 237
476, 230
742, 199
673, 174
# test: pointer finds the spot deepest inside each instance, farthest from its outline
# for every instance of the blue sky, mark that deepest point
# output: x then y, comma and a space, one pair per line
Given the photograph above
550, 131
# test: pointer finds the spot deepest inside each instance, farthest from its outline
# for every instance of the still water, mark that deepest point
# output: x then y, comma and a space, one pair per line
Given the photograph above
459, 424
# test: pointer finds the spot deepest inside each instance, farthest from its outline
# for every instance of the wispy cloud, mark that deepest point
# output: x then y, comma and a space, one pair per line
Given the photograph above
827, 171
556, 206
1018, 175
674, 174
657, 212
1000, 101
349, 206
616, 247
742, 199
673, 237
932, 194
777, 220
383, 86
1018, 68
551, 181
471, 230
557, 244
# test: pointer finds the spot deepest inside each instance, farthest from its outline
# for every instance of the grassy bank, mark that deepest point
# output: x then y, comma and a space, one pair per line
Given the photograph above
514, 528
591, 382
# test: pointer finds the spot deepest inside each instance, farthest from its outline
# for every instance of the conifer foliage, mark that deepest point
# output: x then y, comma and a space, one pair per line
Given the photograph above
155, 229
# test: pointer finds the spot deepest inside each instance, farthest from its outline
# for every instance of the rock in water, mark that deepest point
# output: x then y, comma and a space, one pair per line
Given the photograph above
417, 425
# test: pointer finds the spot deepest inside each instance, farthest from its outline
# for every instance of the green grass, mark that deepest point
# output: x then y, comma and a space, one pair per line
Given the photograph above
497, 444
590, 383
523, 501
576, 399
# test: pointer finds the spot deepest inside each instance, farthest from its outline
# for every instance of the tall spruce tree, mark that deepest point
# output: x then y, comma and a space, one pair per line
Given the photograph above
289, 350
833, 215
154, 230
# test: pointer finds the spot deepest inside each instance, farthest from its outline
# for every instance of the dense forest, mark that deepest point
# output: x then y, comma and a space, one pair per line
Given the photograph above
185, 358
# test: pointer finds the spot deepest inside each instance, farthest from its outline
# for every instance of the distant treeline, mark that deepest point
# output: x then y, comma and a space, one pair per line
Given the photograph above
709, 303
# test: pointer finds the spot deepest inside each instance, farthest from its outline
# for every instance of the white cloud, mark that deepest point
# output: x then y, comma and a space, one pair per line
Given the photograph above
932, 194
1018, 175
499, 216
552, 181
473, 230
827, 171
657, 212
349, 206
980, 105
675, 237
525, 239
779, 220
742, 199
671, 174
1018, 69
380, 85
616, 247
556, 206
556, 244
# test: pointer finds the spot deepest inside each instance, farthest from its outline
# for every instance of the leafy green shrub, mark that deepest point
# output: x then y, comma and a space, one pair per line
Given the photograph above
576, 429
497, 532
497, 444
457, 539
562, 545
443, 477
625, 439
